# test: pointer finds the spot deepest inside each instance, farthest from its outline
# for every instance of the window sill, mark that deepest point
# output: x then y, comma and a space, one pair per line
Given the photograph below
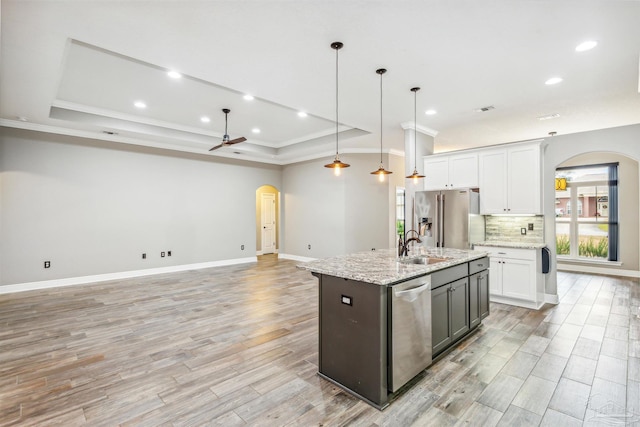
587, 261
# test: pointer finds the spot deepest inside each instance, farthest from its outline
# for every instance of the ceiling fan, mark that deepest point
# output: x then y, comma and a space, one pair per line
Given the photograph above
225, 138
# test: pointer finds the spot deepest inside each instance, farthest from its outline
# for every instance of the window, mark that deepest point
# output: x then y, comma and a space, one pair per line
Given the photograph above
591, 230
400, 210
579, 207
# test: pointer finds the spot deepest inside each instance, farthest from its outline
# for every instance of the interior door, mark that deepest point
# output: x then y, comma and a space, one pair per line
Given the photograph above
268, 223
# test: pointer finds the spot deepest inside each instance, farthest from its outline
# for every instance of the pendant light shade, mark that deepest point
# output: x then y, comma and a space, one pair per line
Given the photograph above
415, 175
381, 172
336, 165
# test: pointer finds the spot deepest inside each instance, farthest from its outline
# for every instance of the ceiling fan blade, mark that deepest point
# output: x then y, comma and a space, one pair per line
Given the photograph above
216, 147
236, 141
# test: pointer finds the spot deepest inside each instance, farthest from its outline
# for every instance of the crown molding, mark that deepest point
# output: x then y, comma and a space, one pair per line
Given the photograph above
422, 129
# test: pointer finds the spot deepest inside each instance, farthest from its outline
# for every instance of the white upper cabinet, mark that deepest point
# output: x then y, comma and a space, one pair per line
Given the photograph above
509, 180
446, 172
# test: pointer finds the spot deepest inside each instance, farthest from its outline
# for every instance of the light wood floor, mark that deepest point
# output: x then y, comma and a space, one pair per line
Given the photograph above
238, 345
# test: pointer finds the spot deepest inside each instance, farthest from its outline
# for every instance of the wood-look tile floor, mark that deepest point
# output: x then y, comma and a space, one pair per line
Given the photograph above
238, 346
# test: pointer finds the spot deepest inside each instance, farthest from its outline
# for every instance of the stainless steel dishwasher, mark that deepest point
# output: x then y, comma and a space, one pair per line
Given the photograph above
410, 330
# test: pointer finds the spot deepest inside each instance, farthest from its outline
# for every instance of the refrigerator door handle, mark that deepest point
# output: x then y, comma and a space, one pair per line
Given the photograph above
437, 215
442, 210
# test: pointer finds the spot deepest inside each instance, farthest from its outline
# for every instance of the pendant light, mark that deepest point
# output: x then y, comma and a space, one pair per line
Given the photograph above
415, 175
381, 172
336, 165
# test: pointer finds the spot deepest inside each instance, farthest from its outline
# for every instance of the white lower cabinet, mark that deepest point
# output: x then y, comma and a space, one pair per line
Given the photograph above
516, 276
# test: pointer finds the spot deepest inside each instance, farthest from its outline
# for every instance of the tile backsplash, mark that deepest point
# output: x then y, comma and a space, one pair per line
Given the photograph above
507, 228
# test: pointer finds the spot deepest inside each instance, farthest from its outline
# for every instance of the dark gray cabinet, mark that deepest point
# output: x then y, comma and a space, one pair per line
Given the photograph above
459, 308
353, 336
440, 319
478, 297
449, 313
459, 302
359, 321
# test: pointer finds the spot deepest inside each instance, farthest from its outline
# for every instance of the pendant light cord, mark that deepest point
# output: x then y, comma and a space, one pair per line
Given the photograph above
337, 102
381, 118
415, 131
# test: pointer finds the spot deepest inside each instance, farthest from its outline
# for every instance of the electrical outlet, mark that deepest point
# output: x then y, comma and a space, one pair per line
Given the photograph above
144, 256
162, 254
309, 247
523, 231
168, 253
530, 226
242, 247
47, 264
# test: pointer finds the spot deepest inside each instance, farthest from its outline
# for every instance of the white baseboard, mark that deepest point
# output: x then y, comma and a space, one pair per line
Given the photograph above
597, 270
513, 301
296, 257
551, 299
48, 284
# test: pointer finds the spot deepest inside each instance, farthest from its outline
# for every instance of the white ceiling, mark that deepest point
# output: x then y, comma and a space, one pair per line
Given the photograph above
76, 67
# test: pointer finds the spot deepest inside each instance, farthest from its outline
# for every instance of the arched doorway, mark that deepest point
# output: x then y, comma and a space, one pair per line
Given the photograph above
267, 220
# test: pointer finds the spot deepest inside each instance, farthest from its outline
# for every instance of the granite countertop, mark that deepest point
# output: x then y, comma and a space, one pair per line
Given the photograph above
516, 245
381, 267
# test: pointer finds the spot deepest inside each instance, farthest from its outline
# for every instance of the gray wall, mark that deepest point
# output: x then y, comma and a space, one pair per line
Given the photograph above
92, 207
624, 140
335, 215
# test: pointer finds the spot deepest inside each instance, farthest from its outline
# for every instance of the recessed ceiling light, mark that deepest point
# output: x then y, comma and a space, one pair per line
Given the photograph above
140, 104
174, 74
205, 119
430, 112
588, 45
248, 97
553, 81
302, 114
255, 130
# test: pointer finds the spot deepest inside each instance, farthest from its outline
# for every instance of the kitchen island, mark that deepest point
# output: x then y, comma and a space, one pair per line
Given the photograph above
384, 319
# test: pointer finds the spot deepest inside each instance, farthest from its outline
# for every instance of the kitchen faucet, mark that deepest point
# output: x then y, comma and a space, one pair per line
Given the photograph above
403, 242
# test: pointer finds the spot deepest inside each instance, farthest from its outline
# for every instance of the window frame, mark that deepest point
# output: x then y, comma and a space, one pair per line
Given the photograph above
574, 219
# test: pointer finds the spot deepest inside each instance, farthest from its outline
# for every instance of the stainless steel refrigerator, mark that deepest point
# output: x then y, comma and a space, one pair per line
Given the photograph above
449, 218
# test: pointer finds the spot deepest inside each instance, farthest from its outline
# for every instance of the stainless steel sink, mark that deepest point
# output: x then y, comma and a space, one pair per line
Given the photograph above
422, 260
